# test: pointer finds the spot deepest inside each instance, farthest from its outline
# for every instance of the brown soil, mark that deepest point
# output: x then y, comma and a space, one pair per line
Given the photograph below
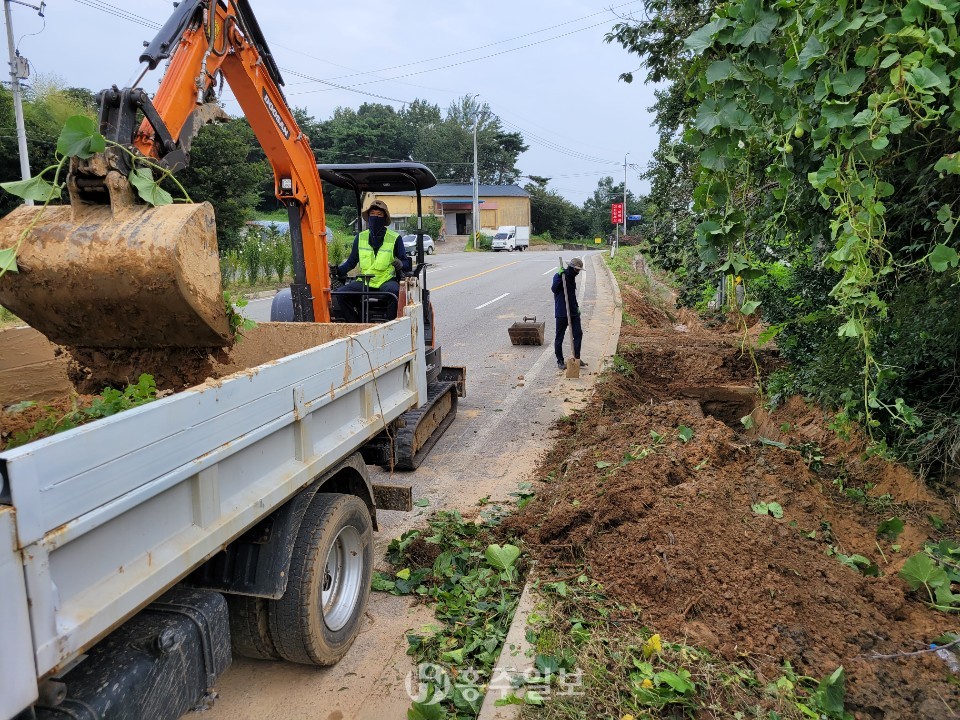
672, 531
33, 369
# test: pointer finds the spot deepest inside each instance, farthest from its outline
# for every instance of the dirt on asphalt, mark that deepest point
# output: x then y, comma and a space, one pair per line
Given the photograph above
651, 487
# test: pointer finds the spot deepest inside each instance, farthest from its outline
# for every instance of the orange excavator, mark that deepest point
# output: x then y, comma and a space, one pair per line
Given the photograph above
108, 272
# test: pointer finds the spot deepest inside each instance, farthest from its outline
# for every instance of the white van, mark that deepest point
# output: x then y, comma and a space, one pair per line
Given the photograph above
512, 237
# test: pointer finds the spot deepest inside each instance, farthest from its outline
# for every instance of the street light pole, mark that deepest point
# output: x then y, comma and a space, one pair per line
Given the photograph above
15, 88
476, 177
625, 195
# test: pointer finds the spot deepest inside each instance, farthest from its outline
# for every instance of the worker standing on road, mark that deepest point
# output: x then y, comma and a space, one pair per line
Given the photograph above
567, 275
380, 253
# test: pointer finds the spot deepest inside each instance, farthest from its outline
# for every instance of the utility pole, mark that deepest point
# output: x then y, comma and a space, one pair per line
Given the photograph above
15, 76
476, 176
18, 71
625, 195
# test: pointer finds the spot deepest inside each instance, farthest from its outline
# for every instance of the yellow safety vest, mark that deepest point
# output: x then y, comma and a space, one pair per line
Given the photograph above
380, 263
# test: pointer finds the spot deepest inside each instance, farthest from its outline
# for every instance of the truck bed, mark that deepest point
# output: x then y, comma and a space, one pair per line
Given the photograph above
111, 514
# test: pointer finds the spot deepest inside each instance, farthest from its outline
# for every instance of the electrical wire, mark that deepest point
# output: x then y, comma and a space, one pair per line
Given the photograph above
462, 62
119, 12
493, 44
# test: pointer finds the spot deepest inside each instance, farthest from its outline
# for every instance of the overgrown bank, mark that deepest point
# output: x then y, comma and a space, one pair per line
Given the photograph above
694, 568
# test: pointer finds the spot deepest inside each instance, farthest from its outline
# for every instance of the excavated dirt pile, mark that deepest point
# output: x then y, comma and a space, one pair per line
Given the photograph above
652, 488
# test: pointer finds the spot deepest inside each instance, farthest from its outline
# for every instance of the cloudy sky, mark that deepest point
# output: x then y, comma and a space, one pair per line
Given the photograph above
542, 66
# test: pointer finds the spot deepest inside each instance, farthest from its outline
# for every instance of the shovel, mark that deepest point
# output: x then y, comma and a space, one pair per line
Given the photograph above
573, 364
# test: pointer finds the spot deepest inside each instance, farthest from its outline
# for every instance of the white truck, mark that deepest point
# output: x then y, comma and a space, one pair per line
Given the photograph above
252, 488
511, 237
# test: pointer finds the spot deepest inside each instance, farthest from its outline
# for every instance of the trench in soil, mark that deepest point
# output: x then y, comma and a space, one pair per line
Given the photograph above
673, 532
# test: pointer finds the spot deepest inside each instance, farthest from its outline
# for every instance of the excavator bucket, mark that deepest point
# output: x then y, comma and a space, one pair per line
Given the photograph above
130, 276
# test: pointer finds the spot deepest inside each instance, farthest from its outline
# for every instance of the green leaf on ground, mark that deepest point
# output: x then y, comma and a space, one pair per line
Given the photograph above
684, 433
422, 502
922, 570
830, 692
603, 464
890, 529
503, 557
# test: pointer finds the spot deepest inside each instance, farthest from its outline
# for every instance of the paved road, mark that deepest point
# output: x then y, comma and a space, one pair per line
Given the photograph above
514, 393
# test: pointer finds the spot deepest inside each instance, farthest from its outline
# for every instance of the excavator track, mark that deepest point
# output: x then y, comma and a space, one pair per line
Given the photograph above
418, 430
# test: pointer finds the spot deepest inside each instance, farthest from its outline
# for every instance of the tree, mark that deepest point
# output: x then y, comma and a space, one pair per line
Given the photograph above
46, 107
225, 171
596, 209
447, 147
819, 154
551, 213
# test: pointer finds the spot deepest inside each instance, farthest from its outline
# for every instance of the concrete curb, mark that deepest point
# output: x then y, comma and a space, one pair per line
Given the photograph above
518, 655
260, 295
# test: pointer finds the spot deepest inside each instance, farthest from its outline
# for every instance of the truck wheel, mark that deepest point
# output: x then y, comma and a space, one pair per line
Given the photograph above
250, 628
318, 617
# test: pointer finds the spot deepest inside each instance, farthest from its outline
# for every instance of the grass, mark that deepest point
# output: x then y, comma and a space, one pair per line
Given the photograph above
8, 319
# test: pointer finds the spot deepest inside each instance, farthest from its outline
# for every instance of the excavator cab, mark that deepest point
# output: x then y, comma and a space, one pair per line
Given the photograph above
365, 181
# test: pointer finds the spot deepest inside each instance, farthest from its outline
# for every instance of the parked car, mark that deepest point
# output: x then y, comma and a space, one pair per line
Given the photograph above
410, 244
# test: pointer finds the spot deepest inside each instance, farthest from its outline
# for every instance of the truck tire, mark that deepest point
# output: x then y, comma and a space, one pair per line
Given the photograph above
318, 617
250, 628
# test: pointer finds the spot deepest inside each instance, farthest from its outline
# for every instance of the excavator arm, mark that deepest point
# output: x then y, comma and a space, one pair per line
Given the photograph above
107, 271
204, 38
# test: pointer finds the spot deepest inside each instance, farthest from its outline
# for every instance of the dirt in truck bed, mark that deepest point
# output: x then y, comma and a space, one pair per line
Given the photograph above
39, 380
662, 494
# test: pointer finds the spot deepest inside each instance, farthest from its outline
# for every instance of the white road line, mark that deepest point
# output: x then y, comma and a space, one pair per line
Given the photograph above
491, 302
552, 270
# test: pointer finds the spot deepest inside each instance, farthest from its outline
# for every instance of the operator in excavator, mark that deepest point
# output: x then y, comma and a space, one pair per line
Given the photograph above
383, 260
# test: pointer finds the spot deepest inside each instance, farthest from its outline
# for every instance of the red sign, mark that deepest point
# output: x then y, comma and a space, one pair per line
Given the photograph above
616, 213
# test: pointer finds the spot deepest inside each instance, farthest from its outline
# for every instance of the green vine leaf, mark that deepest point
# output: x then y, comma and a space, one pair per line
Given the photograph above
949, 164
79, 138
926, 79
148, 189
943, 257
759, 32
848, 82
702, 39
36, 189
8, 260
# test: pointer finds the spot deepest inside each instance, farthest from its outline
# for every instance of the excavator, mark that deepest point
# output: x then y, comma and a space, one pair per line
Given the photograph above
109, 272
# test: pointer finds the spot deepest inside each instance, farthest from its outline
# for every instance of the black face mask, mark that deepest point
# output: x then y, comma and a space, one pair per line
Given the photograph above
376, 225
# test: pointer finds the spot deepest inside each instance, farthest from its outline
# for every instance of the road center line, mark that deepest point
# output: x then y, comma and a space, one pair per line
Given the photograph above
441, 287
491, 302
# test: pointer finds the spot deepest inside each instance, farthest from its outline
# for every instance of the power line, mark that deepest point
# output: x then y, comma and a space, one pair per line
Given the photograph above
119, 12
462, 62
493, 44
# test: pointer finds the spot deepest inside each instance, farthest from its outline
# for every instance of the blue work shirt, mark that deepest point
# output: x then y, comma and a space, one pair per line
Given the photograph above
559, 305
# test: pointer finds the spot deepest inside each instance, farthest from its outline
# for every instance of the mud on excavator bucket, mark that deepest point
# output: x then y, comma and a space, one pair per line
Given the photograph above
118, 275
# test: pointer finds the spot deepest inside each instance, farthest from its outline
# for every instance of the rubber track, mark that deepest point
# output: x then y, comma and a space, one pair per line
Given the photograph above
406, 459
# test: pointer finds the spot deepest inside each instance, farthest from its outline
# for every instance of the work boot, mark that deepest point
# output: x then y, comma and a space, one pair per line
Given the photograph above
561, 365
583, 363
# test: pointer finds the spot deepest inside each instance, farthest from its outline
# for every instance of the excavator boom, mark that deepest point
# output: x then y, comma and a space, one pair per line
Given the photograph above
110, 272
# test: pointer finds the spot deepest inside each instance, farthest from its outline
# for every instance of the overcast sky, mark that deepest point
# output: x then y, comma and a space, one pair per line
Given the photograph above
542, 66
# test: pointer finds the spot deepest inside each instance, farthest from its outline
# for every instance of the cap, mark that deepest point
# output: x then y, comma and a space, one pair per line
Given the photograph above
379, 205
576, 263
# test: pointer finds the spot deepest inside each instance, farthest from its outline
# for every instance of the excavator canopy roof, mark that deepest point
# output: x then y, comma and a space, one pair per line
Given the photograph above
379, 177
